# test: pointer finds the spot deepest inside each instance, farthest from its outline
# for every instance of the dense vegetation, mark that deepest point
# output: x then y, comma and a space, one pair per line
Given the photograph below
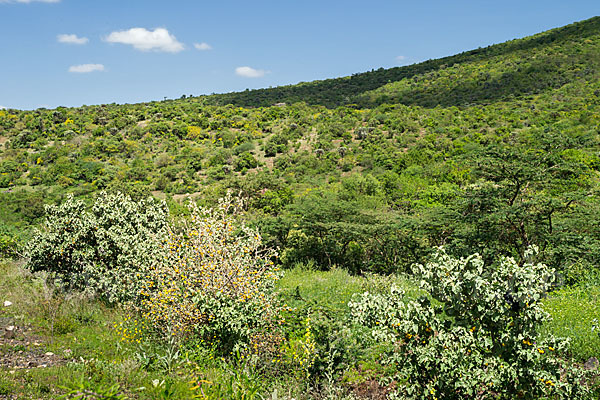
495, 151
519, 67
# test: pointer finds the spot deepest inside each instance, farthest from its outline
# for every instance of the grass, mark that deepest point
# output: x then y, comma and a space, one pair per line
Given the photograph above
334, 289
573, 311
77, 330
80, 331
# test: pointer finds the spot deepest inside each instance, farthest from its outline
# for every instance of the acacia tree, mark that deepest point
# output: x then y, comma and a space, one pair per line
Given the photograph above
522, 195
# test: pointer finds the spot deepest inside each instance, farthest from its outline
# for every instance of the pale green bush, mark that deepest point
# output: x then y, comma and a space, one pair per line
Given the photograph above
105, 249
476, 337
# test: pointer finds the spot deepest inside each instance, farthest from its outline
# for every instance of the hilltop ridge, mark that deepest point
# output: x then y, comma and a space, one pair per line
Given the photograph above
347, 90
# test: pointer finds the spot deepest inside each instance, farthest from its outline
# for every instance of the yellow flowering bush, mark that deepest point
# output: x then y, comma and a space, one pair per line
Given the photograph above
217, 281
301, 352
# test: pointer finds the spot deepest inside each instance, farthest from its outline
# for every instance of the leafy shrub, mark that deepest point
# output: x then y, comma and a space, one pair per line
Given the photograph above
245, 161
103, 250
217, 282
301, 351
10, 242
481, 341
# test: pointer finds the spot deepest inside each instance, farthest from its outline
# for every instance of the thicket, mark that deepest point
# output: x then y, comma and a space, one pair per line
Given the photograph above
210, 281
368, 189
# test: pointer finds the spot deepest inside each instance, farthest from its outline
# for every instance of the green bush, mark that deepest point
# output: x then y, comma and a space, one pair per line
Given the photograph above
10, 241
476, 337
245, 161
103, 250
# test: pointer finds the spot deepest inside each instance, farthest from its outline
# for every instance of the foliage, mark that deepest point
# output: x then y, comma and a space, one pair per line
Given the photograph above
10, 241
217, 282
481, 340
240, 382
432, 154
84, 389
104, 250
573, 313
348, 357
301, 352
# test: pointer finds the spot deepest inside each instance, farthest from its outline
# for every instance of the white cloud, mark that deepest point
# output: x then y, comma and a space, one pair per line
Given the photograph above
71, 39
2, 108
85, 68
142, 39
400, 58
203, 46
249, 72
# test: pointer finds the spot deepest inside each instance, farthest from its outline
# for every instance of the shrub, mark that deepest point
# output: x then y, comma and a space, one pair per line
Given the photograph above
479, 336
217, 282
301, 351
104, 250
245, 161
10, 241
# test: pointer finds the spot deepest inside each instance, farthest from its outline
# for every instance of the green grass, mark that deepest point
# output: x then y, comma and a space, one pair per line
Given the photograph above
95, 352
573, 310
334, 289
83, 334
330, 288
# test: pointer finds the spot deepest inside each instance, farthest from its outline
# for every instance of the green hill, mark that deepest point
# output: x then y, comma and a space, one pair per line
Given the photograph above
353, 180
523, 66
491, 150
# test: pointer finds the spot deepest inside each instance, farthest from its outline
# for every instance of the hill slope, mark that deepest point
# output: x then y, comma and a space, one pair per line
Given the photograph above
492, 151
545, 60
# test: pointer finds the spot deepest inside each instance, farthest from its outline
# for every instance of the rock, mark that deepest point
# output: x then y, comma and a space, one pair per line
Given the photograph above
49, 354
7, 303
591, 364
9, 332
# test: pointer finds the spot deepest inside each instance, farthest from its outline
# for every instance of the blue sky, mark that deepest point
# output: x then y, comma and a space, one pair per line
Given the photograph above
74, 52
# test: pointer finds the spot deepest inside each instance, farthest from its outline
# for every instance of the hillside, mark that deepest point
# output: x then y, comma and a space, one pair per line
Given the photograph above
518, 67
429, 231
491, 150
